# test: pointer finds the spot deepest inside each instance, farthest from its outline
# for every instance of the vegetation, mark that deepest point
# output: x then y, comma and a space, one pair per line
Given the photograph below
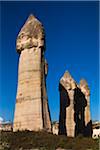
26, 140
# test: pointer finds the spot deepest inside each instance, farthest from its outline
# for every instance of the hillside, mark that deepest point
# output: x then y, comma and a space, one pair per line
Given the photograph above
26, 140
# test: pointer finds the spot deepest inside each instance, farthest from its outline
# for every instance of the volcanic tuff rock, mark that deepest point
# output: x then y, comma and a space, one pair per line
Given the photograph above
85, 89
74, 116
31, 111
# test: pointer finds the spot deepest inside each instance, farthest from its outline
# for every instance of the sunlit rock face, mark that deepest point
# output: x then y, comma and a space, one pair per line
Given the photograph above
31, 35
68, 82
66, 121
31, 111
74, 107
85, 89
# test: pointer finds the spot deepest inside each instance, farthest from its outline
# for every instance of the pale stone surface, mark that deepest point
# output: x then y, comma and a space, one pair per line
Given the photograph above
85, 89
55, 128
68, 82
69, 85
31, 111
74, 107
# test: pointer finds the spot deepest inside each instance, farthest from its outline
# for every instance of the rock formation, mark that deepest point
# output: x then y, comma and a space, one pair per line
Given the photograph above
31, 111
85, 89
66, 87
87, 119
74, 106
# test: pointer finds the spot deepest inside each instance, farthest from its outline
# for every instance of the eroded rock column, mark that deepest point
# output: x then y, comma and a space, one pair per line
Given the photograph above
67, 86
29, 110
85, 89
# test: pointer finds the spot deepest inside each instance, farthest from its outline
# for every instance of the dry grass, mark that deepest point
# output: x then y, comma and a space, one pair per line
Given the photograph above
26, 140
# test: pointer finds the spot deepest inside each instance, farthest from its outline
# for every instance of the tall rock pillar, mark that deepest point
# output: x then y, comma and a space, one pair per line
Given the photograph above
66, 120
85, 89
31, 112
88, 123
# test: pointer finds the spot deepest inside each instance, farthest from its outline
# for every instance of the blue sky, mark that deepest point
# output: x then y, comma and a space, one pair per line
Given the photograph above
72, 43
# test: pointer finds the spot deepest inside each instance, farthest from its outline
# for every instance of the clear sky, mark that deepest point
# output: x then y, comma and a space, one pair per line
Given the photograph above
72, 43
